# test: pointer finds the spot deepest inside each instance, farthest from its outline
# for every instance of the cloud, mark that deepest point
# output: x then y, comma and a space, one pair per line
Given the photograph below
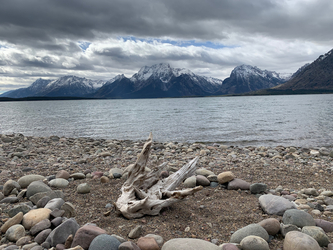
99, 39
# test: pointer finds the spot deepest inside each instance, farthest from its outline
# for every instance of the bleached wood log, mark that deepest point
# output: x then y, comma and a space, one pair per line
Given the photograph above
145, 194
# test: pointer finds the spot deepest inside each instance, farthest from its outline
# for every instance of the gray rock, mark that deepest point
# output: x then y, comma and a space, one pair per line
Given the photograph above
298, 218
9, 186
83, 188
212, 178
135, 232
59, 183
9, 200
43, 201
37, 187
318, 234
299, 241
190, 182
311, 191
236, 184
52, 194
105, 242
202, 181
56, 221
204, 172
26, 180
284, 229
273, 204
252, 229
159, 239
55, 203
42, 236
328, 201
257, 188
61, 233
15, 232
19, 208
128, 245
40, 226
254, 243
78, 176
29, 246
188, 244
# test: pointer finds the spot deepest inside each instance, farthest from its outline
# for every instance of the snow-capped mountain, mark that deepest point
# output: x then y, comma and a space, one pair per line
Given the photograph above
159, 80
36, 87
246, 78
64, 86
316, 76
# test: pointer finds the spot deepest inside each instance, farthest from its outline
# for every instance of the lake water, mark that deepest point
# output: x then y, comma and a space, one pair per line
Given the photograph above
297, 120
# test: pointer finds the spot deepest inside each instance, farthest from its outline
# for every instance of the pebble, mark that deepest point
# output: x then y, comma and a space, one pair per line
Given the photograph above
252, 229
298, 218
254, 243
318, 234
273, 204
105, 242
299, 241
83, 188
59, 183
225, 177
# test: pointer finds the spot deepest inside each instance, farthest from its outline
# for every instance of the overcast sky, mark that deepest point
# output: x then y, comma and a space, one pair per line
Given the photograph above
102, 38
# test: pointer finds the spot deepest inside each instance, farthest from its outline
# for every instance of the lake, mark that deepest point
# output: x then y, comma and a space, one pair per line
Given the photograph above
290, 120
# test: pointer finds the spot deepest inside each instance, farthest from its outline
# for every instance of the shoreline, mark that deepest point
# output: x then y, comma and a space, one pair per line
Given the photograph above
213, 214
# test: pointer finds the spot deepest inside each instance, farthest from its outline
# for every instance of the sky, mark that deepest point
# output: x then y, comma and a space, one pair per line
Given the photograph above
103, 38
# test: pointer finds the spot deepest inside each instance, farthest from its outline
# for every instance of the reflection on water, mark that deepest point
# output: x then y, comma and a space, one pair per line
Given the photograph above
299, 120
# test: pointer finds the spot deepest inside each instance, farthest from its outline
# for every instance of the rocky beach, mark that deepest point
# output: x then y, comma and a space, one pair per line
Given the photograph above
253, 197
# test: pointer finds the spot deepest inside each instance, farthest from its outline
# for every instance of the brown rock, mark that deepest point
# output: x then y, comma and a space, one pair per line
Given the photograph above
299, 241
327, 226
34, 216
225, 177
105, 179
85, 235
236, 184
202, 180
128, 245
11, 222
63, 174
271, 225
147, 243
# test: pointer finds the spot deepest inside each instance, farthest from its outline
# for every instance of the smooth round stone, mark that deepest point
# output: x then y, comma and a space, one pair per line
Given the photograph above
229, 246
117, 171
271, 225
273, 204
40, 226
284, 229
202, 181
60, 234
318, 234
37, 187
11, 222
204, 172
78, 176
59, 183
19, 208
43, 201
327, 226
23, 241
9, 186
236, 184
299, 241
257, 188
188, 244
298, 218
34, 216
214, 184
159, 239
147, 243
128, 245
252, 229
254, 243
83, 188
63, 174
15, 232
117, 175
105, 179
26, 180
85, 235
105, 242
212, 178
42, 236
225, 177
190, 182
55, 203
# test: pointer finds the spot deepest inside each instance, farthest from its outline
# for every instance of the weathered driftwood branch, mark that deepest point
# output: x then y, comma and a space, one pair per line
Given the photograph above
144, 193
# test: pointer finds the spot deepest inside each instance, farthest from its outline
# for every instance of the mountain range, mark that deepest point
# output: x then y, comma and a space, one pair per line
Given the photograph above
161, 80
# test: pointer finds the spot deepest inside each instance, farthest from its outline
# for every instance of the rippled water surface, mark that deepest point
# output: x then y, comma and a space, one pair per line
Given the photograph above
298, 120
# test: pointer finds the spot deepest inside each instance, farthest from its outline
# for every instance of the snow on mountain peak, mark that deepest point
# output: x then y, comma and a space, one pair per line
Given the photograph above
162, 71
246, 71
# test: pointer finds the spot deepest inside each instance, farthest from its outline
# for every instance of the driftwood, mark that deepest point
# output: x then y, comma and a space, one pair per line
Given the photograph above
144, 193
